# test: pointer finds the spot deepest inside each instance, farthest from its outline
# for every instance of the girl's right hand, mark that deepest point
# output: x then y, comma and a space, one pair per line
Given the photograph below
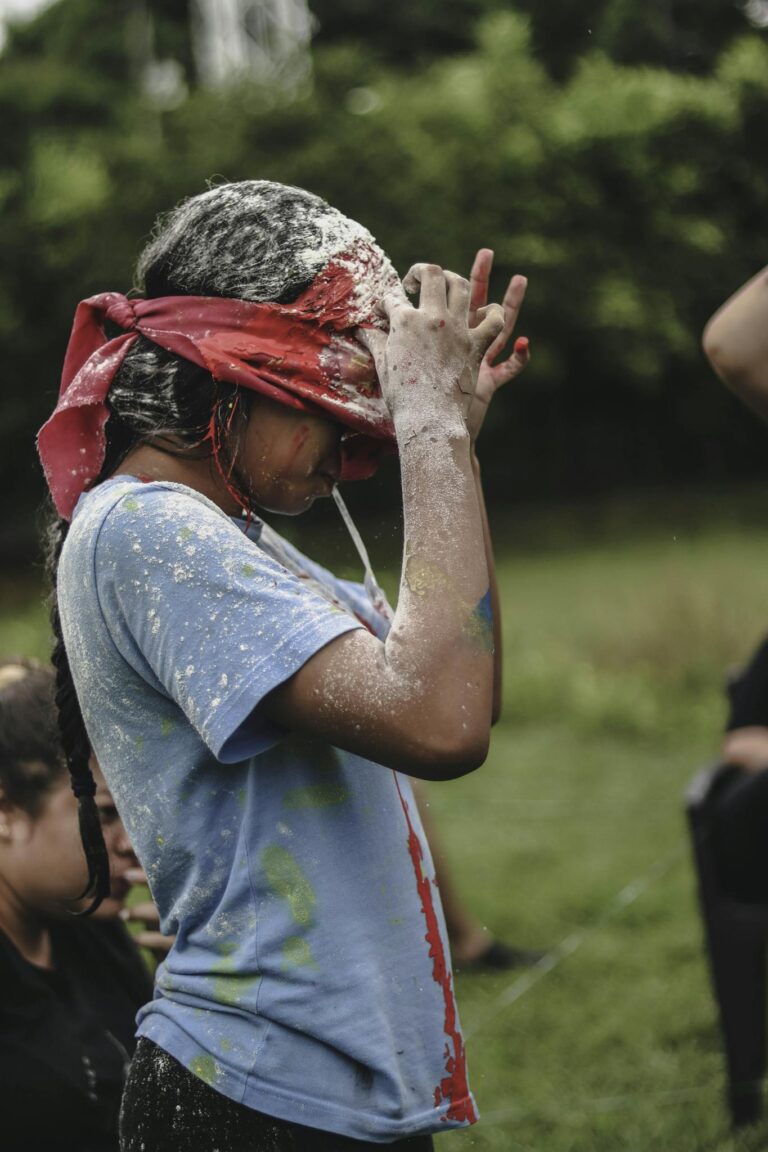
428, 363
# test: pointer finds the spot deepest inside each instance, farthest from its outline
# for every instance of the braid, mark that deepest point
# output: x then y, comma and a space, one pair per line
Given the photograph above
76, 746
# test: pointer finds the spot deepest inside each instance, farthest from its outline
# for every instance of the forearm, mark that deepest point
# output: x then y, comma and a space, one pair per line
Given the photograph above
494, 589
736, 343
440, 648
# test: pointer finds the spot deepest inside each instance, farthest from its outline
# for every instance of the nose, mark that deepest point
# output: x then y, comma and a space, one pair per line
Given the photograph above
120, 844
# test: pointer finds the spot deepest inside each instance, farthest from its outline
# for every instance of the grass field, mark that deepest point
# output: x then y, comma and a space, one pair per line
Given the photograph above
572, 837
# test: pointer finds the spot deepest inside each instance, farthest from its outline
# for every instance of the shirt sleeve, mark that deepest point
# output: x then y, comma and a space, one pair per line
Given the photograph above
204, 615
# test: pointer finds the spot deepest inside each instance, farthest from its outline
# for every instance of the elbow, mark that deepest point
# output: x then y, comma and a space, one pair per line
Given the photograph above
710, 342
717, 350
726, 354
449, 756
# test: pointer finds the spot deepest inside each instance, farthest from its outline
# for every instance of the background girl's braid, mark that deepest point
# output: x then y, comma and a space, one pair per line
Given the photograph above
76, 746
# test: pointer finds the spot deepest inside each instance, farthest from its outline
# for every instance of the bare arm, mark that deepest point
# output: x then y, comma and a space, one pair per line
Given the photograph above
747, 748
495, 602
422, 700
494, 373
736, 343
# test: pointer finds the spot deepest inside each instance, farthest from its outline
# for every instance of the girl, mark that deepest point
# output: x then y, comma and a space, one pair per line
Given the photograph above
71, 989
253, 715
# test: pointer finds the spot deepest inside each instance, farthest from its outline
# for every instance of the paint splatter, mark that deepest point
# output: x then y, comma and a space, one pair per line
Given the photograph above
479, 626
297, 953
422, 576
205, 1068
316, 796
230, 985
286, 877
453, 1088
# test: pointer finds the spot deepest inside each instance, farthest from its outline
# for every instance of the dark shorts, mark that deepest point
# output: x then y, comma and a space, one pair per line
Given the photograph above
167, 1109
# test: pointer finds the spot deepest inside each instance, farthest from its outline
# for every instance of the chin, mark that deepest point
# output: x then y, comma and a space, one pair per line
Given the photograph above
109, 909
293, 504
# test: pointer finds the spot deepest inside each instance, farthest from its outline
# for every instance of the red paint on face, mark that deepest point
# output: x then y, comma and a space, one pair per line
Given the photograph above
452, 1088
298, 440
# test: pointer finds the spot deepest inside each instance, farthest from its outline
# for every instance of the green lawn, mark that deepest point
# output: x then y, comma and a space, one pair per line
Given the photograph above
572, 836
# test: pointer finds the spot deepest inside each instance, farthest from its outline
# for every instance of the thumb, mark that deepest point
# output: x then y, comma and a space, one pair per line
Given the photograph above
376, 342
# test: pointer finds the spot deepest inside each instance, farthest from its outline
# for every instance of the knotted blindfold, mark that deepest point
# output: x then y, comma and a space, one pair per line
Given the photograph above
300, 354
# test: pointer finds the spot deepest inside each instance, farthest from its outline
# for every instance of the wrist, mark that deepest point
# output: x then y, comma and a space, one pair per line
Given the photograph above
431, 425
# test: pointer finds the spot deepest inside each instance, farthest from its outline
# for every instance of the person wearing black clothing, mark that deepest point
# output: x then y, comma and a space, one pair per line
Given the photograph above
66, 1037
71, 987
740, 811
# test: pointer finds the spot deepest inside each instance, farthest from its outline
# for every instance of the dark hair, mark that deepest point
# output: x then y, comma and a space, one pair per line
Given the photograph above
31, 760
253, 240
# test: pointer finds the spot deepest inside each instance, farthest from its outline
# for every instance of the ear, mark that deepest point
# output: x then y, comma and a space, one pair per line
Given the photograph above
15, 823
6, 809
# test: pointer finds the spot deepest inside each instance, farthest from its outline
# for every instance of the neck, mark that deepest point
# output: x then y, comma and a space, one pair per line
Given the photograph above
25, 928
150, 463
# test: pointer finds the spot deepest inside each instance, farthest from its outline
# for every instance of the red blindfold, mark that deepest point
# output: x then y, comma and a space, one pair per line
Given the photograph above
300, 354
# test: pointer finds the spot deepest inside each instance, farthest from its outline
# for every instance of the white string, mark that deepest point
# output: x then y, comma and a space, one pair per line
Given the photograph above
552, 959
372, 586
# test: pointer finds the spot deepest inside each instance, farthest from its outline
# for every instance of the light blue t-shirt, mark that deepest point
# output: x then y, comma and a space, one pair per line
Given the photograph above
309, 979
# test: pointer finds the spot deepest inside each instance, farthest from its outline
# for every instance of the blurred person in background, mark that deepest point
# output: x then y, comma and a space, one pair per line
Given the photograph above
71, 987
736, 344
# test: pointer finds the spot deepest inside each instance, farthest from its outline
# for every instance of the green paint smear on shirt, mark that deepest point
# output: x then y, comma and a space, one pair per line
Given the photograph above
205, 1068
166, 726
232, 988
228, 985
316, 796
286, 877
297, 953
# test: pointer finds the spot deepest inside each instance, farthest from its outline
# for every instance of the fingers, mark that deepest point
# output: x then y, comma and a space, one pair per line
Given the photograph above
512, 303
478, 281
457, 292
506, 370
438, 289
155, 942
135, 876
146, 913
376, 342
429, 281
485, 333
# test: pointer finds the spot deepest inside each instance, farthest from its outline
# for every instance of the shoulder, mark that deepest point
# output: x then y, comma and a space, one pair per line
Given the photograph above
126, 500
125, 516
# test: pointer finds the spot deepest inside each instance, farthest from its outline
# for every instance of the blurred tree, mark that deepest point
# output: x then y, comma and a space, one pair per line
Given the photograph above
684, 35
401, 33
634, 197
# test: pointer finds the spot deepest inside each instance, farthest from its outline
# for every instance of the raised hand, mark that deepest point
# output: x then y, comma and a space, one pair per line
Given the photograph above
492, 375
429, 361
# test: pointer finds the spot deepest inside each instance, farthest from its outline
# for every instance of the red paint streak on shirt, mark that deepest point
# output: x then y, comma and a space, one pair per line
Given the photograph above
453, 1088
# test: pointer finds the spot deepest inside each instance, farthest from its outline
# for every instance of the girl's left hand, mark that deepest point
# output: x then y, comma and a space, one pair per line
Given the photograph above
492, 376
145, 913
